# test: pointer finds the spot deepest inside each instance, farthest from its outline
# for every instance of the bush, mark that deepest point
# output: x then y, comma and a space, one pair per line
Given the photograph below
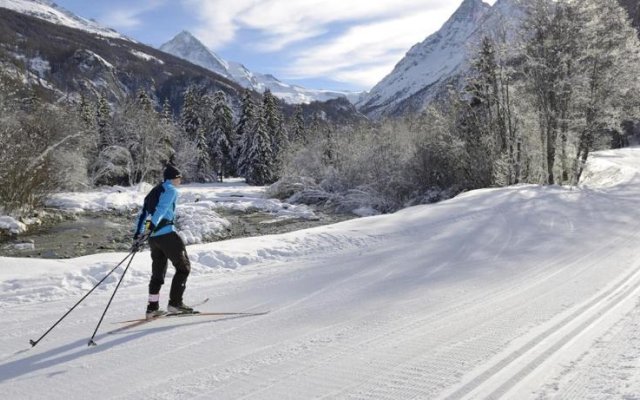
40, 154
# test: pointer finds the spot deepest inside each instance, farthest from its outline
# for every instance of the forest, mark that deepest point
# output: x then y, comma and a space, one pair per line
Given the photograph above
533, 106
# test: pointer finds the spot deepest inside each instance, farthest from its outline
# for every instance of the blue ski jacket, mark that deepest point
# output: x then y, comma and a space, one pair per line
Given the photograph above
165, 212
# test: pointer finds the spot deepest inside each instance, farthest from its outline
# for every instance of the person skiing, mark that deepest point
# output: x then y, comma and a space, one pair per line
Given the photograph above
156, 221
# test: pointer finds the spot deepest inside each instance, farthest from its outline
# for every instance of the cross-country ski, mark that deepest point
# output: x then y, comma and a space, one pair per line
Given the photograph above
139, 322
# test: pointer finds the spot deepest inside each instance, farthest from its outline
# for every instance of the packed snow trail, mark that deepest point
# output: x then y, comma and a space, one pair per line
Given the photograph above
525, 292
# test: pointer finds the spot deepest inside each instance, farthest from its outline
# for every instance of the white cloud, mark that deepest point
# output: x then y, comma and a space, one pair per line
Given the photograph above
372, 35
366, 53
286, 21
127, 18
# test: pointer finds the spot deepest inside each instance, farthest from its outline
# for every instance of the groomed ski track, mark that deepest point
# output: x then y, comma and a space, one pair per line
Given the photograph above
525, 292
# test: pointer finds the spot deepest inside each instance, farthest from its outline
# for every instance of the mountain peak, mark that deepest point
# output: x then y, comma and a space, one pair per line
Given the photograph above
470, 10
185, 35
188, 47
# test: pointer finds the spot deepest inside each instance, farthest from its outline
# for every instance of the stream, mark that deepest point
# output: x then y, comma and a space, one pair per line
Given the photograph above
75, 235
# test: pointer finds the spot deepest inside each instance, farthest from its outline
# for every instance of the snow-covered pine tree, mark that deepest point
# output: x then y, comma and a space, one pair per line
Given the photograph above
167, 112
493, 117
103, 117
190, 117
329, 148
482, 125
202, 158
275, 130
244, 132
259, 154
144, 100
87, 116
298, 128
221, 136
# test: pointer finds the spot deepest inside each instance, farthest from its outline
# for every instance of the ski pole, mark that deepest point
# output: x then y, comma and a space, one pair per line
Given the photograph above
91, 342
35, 342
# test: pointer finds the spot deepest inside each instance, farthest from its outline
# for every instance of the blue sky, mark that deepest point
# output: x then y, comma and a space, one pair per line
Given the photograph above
323, 44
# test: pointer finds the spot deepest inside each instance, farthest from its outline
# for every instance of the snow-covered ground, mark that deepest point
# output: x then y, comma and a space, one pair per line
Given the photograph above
525, 292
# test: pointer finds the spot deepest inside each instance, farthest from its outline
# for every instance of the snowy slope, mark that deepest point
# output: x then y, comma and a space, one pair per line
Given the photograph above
49, 11
442, 57
525, 292
188, 47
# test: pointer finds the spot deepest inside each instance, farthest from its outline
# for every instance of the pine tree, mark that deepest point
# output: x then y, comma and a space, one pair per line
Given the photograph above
168, 130
103, 116
259, 163
144, 100
244, 132
298, 129
222, 135
275, 130
203, 166
87, 117
190, 119
167, 113
87, 114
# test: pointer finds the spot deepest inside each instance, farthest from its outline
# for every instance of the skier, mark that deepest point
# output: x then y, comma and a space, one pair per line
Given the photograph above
156, 221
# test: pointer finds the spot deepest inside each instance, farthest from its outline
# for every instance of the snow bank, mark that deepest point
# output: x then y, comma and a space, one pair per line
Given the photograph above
605, 169
26, 281
113, 198
11, 225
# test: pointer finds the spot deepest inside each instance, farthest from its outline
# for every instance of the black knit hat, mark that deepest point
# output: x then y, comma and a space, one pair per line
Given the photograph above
171, 172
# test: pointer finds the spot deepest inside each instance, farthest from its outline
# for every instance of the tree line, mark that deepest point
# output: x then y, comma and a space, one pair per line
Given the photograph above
83, 143
534, 105
537, 100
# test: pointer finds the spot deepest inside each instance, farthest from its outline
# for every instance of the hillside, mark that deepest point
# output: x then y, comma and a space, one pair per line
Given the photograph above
57, 62
525, 292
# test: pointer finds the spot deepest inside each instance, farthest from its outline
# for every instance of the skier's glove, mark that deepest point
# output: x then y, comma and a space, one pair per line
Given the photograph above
138, 241
150, 227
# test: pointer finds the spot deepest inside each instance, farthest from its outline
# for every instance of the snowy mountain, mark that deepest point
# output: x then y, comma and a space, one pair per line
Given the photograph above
51, 12
60, 61
439, 60
526, 292
188, 47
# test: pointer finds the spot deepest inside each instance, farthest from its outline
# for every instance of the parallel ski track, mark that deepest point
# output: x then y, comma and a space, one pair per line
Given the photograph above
597, 373
551, 340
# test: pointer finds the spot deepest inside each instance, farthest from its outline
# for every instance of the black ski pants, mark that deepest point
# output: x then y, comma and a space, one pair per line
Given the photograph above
163, 248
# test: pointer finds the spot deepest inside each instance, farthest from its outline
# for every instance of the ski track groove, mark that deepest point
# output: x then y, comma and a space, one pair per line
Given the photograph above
604, 302
607, 362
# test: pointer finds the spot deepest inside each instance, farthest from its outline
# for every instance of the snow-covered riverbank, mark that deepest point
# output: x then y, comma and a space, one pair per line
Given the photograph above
103, 219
